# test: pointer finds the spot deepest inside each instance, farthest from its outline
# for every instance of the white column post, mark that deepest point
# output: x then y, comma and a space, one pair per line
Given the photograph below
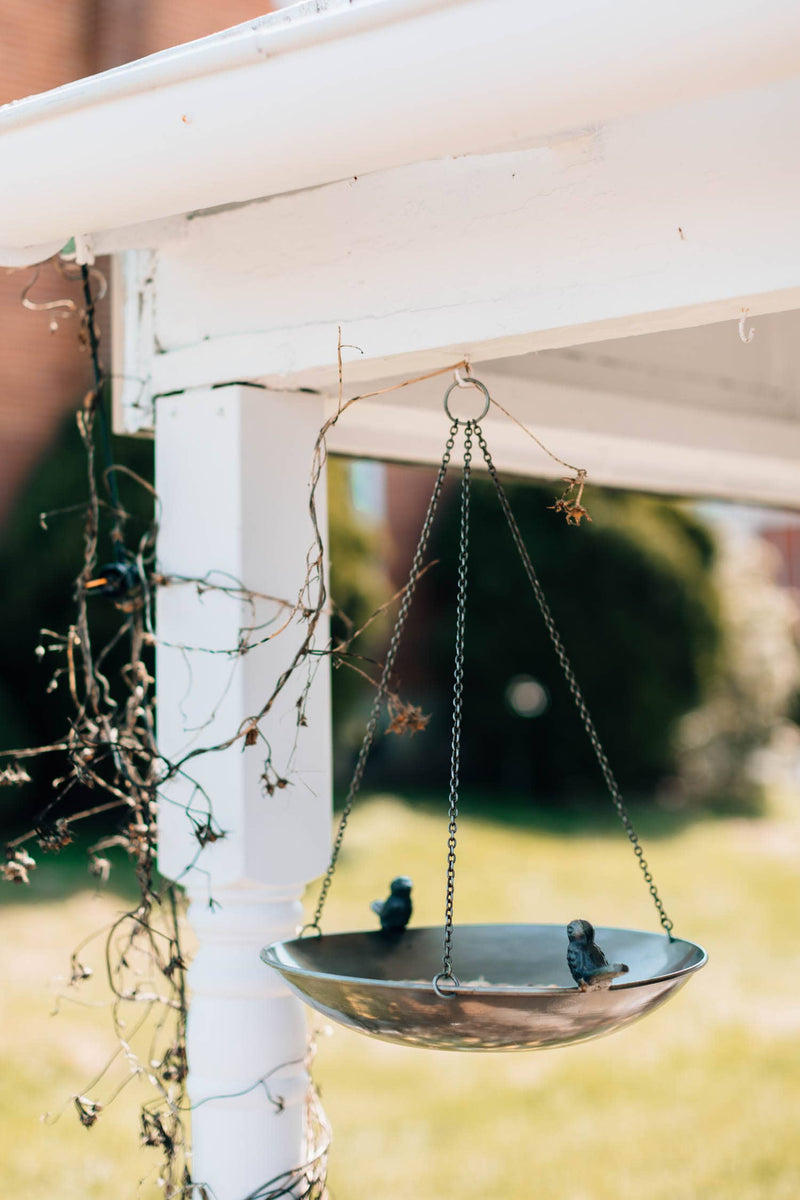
232, 470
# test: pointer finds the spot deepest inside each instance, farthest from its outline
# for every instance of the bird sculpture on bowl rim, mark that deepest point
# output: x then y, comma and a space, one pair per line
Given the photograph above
588, 964
395, 910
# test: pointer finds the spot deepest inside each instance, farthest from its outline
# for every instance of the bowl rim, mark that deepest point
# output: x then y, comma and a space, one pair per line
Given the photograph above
269, 955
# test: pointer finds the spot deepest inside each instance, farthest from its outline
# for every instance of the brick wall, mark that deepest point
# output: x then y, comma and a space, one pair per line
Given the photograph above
786, 540
44, 45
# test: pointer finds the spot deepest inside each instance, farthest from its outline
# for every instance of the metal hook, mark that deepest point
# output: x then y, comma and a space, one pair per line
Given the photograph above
745, 335
463, 380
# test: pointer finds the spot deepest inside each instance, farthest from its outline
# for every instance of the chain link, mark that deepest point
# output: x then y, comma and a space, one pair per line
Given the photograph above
383, 683
458, 704
577, 694
472, 428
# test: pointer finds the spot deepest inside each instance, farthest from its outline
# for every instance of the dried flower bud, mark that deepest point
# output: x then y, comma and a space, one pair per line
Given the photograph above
16, 869
80, 972
206, 833
88, 1111
14, 872
100, 868
12, 775
406, 718
54, 837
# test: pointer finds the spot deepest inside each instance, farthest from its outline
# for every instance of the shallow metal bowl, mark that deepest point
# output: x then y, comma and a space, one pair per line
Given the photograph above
516, 992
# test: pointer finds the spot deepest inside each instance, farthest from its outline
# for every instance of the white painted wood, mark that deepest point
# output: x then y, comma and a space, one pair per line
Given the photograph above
243, 1024
693, 412
232, 472
654, 222
332, 90
25, 256
132, 339
686, 453
707, 367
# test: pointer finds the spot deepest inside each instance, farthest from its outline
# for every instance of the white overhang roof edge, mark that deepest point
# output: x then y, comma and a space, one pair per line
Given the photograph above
323, 91
298, 26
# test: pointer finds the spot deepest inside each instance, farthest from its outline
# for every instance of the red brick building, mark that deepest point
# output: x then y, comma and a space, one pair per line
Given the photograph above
42, 46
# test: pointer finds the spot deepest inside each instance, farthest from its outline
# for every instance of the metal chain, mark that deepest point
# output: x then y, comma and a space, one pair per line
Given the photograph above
383, 683
446, 974
577, 694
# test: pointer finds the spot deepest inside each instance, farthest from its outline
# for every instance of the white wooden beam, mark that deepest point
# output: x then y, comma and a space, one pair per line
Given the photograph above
619, 440
132, 339
676, 218
336, 88
232, 474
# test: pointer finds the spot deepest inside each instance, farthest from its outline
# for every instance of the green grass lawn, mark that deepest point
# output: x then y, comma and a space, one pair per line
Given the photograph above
699, 1100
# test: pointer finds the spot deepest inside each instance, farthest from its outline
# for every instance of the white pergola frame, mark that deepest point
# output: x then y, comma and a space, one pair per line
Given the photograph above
444, 179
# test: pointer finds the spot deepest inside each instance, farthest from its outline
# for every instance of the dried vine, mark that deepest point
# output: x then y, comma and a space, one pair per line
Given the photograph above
109, 749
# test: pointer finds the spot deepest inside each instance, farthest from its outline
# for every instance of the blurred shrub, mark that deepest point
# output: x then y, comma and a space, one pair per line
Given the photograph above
359, 585
358, 579
634, 598
39, 560
730, 746
687, 664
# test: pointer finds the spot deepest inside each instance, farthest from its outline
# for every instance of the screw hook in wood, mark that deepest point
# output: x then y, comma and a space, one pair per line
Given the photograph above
745, 335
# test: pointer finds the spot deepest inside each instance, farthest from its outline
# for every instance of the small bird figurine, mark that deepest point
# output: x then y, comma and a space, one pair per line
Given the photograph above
589, 966
395, 911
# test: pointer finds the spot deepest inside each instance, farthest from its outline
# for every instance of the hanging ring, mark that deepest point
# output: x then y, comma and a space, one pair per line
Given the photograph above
476, 383
307, 929
438, 980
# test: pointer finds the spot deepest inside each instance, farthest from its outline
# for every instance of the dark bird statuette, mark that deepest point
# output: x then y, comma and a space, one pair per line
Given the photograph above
589, 966
395, 910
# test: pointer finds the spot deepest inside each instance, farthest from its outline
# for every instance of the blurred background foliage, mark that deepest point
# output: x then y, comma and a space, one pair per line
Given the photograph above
359, 585
729, 746
41, 553
634, 598
685, 649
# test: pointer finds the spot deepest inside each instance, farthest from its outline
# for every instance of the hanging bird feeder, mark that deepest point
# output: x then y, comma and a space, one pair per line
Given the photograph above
480, 987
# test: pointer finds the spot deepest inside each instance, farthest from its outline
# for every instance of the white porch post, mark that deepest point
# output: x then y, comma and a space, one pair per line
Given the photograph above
232, 468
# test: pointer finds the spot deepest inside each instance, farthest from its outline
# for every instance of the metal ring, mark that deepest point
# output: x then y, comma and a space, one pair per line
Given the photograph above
481, 388
437, 984
311, 925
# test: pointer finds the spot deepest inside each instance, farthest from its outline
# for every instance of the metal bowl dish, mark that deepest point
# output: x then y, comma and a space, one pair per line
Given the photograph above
515, 991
